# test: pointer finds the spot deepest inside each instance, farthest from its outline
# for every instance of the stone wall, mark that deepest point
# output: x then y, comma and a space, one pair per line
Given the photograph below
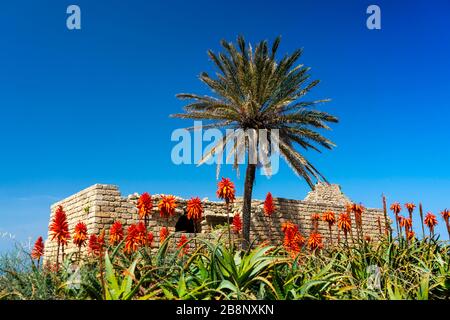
100, 205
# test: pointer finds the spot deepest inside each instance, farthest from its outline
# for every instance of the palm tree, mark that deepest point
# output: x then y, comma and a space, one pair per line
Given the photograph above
255, 91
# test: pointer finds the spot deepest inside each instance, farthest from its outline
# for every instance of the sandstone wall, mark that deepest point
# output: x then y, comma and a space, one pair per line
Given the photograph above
100, 205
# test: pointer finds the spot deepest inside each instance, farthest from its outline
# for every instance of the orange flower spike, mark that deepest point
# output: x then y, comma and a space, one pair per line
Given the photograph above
396, 208
149, 239
194, 209
349, 207
298, 239
269, 207
101, 240
430, 221
344, 222
182, 243
38, 249
288, 226
445, 215
226, 190
131, 244
329, 218
237, 223
410, 207
410, 235
407, 223
401, 221
145, 205
59, 227
115, 233
293, 240
167, 206
80, 234
163, 234
93, 246
141, 234
315, 217
358, 210
315, 241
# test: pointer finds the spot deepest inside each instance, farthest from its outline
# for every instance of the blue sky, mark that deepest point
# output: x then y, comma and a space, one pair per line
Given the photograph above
92, 105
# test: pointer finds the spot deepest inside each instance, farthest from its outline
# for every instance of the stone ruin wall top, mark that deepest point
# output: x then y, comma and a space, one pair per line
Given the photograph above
100, 205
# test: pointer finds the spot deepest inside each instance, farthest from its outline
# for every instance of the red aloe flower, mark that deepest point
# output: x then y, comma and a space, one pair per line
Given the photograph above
315, 217
194, 209
331, 220
115, 233
59, 227
141, 234
315, 241
163, 234
345, 224
80, 235
149, 239
131, 242
101, 240
396, 208
407, 224
145, 206
237, 223
401, 221
225, 190
167, 206
59, 230
38, 249
93, 245
293, 240
183, 244
329, 217
368, 238
431, 222
136, 237
358, 210
269, 207
410, 235
410, 207
446, 215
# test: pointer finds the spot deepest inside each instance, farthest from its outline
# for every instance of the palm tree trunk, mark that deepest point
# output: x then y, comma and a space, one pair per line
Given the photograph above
247, 206
227, 206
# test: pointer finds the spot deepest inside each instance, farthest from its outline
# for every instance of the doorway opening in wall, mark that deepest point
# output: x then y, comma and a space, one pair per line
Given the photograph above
185, 225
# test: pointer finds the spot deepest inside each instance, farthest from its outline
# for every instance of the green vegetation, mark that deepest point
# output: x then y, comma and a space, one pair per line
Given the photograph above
418, 270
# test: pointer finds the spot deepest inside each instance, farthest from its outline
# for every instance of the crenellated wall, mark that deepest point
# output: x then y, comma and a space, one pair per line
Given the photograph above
100, 205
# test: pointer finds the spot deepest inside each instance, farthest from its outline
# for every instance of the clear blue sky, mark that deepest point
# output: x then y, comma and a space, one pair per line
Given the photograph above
91, 106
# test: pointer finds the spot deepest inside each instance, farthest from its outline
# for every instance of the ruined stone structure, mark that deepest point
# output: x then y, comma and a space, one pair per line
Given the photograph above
100, 205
